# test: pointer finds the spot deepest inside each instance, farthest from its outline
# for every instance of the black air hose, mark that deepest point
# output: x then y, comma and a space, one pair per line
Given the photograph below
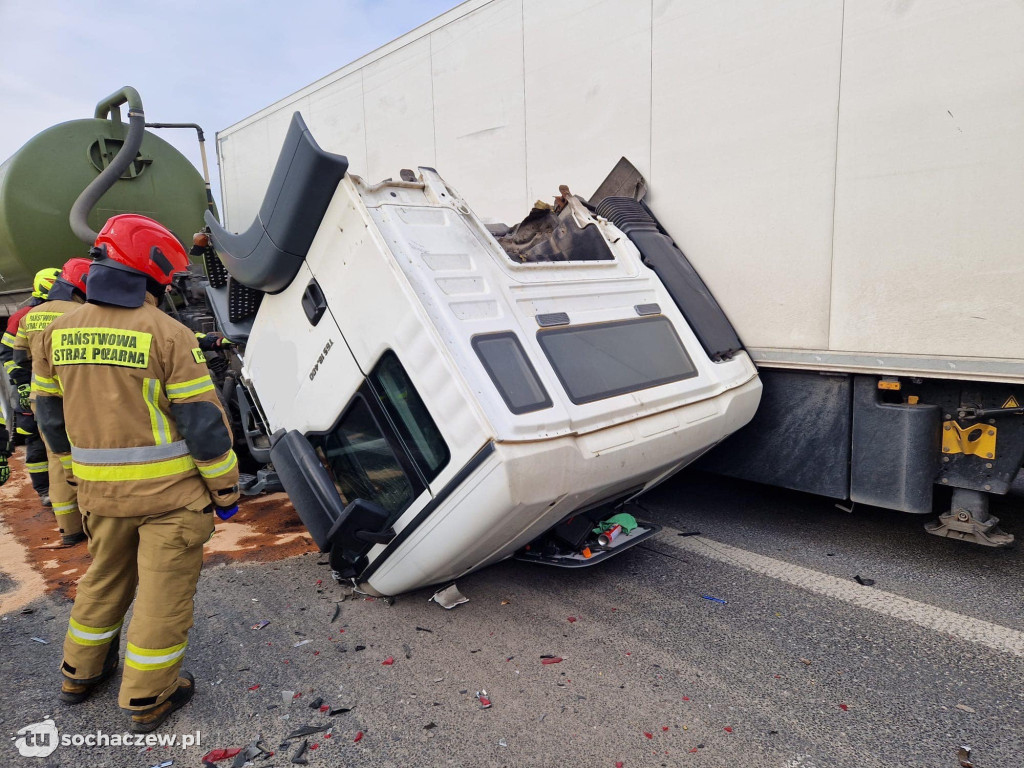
125, 156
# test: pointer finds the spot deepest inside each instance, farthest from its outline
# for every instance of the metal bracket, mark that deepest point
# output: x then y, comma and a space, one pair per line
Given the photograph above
974, 439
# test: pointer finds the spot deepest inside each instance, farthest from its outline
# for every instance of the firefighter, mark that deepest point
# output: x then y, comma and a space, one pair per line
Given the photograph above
123, 389
67, 294
5, 450
24, 423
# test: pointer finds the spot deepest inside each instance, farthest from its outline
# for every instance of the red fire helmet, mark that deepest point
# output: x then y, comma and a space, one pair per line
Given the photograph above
144, 245
74, 272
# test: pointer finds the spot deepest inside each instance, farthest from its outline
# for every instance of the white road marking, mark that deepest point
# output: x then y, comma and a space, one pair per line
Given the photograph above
985, 633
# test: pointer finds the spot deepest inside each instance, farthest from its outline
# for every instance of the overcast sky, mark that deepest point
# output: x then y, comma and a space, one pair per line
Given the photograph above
211, 63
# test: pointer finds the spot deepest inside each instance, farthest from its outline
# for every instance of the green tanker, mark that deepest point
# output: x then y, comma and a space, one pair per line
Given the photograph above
40, 184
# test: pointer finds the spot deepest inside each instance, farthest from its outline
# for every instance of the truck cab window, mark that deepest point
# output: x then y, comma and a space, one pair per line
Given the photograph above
409, 416
363, 463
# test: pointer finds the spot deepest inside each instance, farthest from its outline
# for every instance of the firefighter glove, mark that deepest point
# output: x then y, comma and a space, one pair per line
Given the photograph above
24, 390
226, 513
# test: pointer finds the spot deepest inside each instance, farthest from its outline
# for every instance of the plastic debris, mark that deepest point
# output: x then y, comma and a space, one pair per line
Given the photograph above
965, 708
806, 661
249, 753
485, 703
686, 698
689, 533
572, 619
360, 648
506, 602
449, 597
301, 642
664, 727
718, 600
40, 640
408, 650
618, 764
424, 629
339, 711
502, 743
844, 707
359, 737
430, 726
863, 581
261, 624
254, 687
728, 729
164, 764
216, 755
552, 660
324, 707
648, 734
315, 703
388, 661
287, 696
964, 756
298, 758
337, 613
306, 730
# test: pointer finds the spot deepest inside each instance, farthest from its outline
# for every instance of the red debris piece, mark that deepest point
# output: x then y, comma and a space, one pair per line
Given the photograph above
324, 707
727, 729
286, 661
693, 750
628, 653
485, 703
553, 660
618, 764
314, 746
297, 695
686, 698
664, 727
572, 619
648, 734
614, 609
341, 631
844, 707
220, 754
316, 653
778, 677
388, 661
254, 687
327, 735
318, 583
359, 737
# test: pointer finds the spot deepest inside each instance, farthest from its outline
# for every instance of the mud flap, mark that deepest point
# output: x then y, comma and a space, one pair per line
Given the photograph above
308, 485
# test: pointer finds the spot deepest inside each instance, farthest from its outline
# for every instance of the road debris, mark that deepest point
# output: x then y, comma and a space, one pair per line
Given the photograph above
40, 640
863, 581
424, 629
502, 743
485, 703
298, 758
964, 756
806, 661
718, 600
254, 687
339, 711
164, 764
449, 597
306, 730
287, 696
688, 533
572, 619
337, 613
359, 737
261, 624
844, 707
408, 650
216, 755
315, 703
551, 660
965, 708
301, 643
727, 729
648, 734
388, 661
430, 726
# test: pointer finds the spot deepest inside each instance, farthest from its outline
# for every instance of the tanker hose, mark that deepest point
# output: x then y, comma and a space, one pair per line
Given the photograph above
125, 156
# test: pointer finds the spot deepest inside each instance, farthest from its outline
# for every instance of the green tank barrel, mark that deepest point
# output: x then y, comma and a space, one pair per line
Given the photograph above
40, 183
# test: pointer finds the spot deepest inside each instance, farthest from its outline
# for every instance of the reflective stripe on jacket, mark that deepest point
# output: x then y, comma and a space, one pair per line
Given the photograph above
143, 425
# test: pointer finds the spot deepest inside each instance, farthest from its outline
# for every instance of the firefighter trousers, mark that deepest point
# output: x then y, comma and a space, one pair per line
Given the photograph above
35, 457
161, 556
64, 499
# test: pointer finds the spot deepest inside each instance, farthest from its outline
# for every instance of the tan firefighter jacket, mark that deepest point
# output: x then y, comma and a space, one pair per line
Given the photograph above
29, 339
125, 398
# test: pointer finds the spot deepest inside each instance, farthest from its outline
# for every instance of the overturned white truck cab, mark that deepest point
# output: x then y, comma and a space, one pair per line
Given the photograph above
438, 395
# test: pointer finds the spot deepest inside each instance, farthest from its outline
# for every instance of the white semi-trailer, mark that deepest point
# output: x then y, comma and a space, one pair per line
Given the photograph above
847, 177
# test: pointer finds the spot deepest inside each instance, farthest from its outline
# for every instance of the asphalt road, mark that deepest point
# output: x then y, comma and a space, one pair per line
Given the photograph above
801, 665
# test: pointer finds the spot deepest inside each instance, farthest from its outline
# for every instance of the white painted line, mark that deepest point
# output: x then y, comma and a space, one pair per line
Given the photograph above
985, 633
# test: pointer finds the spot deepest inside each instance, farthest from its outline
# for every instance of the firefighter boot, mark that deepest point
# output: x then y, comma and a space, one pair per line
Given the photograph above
148, 720
77, 691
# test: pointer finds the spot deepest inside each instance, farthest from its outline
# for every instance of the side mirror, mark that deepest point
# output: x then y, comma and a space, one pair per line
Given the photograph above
360, 525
